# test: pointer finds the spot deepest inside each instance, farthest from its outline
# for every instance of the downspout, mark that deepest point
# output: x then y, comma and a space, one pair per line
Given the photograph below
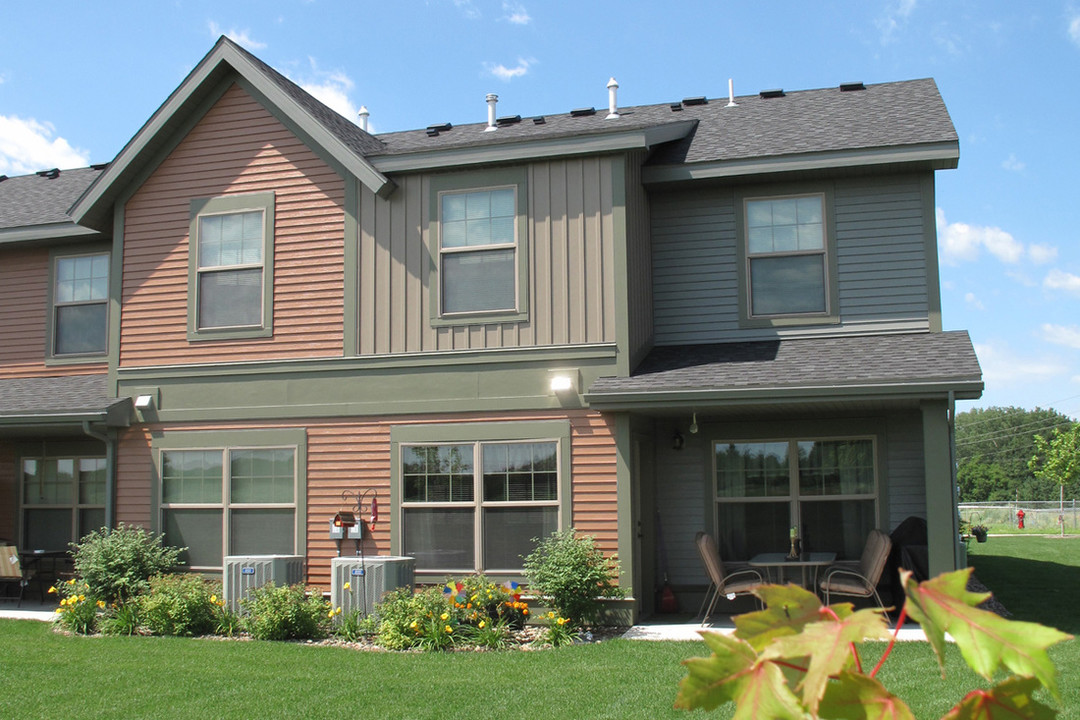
110, 471
952, 479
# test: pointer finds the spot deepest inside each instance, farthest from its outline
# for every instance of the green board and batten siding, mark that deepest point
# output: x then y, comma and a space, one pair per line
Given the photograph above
881, 231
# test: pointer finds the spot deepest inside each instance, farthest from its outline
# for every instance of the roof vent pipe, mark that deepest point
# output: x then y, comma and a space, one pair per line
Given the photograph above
364, 114
612, 105
492, 99
731, 94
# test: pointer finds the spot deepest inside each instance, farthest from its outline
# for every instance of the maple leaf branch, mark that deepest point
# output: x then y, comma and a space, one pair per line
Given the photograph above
884, 656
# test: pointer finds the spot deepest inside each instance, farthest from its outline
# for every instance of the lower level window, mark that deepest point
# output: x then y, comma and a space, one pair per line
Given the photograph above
477, 506
63, 499
232, 501
827, 488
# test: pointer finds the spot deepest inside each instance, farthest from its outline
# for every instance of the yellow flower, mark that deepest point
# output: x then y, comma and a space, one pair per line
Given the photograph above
213, 598
337, 611
330, 614
59, 610
562, 621
71, 581
82, 598
413, 624
346, 586
449, 630
445, 616
525, 611
52, 590
101, 604
482, 625
551, 614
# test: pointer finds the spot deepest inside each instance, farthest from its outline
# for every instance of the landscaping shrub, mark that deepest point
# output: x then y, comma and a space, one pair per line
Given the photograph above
78, 611
569, 572
121, 619
118, 563
421, 619
183, 604
285, 612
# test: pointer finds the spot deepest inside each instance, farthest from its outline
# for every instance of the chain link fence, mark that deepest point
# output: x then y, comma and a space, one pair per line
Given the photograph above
1039, 515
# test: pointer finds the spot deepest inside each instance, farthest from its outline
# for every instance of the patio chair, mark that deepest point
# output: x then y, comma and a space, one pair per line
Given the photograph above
741, 582
862, 580
11, 572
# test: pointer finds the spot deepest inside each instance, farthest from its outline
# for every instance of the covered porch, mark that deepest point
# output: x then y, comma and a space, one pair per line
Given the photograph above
745, 441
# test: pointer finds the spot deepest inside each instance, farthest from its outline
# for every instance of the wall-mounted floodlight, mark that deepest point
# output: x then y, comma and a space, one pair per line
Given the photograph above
561, 383
144, 402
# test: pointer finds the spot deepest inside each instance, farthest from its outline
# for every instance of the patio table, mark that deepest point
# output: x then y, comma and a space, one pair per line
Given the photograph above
808, 563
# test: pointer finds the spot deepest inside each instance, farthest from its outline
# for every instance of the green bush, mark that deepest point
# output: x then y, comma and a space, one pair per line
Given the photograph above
409, 620
118, 563
121, 619
79, 609
569, 572
286, 612
183, 604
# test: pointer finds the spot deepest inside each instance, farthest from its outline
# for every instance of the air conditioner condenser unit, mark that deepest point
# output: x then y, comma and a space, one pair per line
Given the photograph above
243, 573
368, 580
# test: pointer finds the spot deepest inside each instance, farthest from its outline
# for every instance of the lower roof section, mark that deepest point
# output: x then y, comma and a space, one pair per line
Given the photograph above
53, 404
853, 368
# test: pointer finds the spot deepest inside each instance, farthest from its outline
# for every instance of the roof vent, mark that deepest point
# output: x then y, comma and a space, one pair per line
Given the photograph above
434, 130
767, 94
492, 100
364, 114
3, 178
731, 94
99, 166
582, 112
851, 86
612, 104
676, 107
539, 120
508, 120
699, 100
50, 174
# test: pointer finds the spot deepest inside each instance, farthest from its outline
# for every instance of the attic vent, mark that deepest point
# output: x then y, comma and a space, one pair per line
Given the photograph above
434, 130
851, 86
508, 120
3, 178
582, 112
701, 100
539, 120
99, 166
50, 174
676, 107
767, 94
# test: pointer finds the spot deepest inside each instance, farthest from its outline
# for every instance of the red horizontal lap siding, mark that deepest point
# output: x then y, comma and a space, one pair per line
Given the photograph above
24, 299
354, 456
134, 477
237, 147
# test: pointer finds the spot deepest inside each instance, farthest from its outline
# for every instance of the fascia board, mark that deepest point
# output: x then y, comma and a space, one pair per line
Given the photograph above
940, 156
92, 207
52, 231
653, 400
528, 150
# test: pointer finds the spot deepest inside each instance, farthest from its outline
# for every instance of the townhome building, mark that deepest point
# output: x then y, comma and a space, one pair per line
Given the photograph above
714, 314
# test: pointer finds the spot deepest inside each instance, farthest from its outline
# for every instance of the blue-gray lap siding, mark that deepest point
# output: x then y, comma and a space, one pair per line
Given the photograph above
883, 227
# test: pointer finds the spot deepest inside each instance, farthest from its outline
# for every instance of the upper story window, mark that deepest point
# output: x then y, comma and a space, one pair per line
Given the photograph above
479, 241
478, 246
787, 257
231, 267
80, 307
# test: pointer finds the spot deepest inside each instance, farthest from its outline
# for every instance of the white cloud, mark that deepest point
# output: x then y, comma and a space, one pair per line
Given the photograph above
507, 74
467, 9
973, 301
516, 13
894, 19
962, 242
1041, 254
331, 87
1069, 336
27, 146
1003, 367
240, 37
1074, 28
1012, 164
1061, 280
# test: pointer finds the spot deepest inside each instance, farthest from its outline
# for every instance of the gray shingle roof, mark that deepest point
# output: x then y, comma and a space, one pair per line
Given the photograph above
29, 200
75, 394
883, 115
872, 360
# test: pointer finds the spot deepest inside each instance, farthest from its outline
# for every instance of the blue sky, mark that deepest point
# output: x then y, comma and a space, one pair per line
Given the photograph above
78, 79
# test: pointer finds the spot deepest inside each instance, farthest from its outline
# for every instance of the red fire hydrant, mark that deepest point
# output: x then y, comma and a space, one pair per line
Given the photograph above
1020, 519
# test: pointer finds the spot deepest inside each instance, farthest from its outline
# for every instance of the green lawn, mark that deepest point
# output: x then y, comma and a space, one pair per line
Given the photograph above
44, 675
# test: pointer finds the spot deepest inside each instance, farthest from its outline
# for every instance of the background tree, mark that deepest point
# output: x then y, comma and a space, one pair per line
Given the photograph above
1056, 462
993, 448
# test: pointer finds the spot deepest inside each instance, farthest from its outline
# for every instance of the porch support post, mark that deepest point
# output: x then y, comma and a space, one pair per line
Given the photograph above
624, 447
940, 505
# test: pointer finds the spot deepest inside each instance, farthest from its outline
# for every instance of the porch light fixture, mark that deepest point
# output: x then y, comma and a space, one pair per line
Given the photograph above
693, 425
677, 441
144, 402
561, 383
